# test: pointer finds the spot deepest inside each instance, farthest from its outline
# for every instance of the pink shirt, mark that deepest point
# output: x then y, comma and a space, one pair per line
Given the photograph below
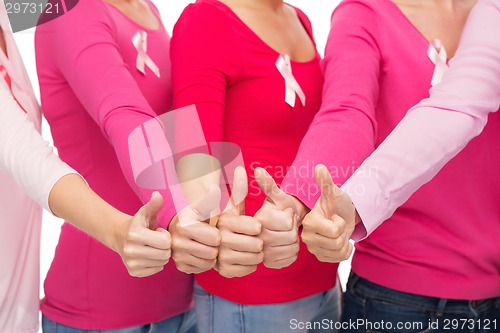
441, 242
455, 113
224, 68
94, 96
28, 171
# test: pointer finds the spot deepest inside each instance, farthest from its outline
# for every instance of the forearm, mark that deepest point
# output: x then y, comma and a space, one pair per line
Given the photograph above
196, 174
73, 200
24, 155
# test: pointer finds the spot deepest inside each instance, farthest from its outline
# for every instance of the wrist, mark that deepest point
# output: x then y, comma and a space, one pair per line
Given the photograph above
119, 227
301, 209
173, 222
357, 218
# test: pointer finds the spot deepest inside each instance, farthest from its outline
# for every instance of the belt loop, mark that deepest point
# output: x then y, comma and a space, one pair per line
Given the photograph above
441, 306
353, 280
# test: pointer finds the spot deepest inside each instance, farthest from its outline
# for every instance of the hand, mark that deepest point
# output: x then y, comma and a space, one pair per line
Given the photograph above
194, 242
330, 224
145, 251
240, 250
279, 216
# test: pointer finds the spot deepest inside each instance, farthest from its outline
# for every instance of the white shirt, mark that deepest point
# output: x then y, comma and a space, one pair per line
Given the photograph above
28, 171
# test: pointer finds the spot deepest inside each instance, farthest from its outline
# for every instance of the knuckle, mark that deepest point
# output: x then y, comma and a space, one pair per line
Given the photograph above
323, 258
165, 255
209, 264
224, 270
223, 222
346, 252
268, 251
290, 261
133, 273
314, 250
287, 223
177, 257
335, 230
216, 237
176, 241
259, 244
167, 242
226, 237
132, 265
249, 270
256, 226
306, 237
129, 251
269, 263
213, 253
184, 268
222, 256
133, 235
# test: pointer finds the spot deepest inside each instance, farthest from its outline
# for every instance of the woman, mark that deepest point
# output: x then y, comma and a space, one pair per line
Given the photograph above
428, 263
468, 93
31, 174
252, 70
104, 70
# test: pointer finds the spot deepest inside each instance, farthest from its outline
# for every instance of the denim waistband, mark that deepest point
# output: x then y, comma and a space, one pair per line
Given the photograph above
363, 288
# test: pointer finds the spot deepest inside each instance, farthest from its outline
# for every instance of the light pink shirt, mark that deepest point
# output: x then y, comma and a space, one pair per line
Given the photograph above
28, 171
455, 113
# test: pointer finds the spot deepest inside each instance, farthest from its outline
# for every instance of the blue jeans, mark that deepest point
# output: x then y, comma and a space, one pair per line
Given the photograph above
380, 309
183, 323
217, 315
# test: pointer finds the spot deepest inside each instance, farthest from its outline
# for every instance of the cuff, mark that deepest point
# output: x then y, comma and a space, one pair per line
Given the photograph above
370, 201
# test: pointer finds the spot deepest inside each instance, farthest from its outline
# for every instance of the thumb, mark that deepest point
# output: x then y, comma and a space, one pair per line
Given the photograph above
204, 207
329, 191
239, 191
271, 190
150, 210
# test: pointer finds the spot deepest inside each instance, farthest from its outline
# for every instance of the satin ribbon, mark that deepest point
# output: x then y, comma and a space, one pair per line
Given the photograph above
140, 41
293, 88
437, 54
156, 145
5, 76
8, 81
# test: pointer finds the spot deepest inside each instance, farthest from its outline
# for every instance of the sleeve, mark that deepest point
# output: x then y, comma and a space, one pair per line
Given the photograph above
342, 133
22, 147
205, 55
87, 55
455, 113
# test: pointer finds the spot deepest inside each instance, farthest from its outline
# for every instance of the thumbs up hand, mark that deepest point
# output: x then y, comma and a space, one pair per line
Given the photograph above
279, 216
328, 227
194, 242
144, 250
240, 250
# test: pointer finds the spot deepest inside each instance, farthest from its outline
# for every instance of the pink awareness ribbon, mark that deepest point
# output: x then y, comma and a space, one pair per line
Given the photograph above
292, 87
437, 54
140, 41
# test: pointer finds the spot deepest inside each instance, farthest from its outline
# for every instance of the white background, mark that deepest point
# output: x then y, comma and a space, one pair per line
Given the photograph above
318, 11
